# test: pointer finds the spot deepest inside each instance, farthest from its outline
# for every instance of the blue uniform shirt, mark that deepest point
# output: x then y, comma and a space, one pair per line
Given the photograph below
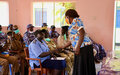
54, 34
3, 38
35, 49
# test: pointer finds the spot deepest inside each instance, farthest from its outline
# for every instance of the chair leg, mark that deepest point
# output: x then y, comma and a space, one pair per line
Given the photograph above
44, 71
22, 66
10, 69
63, 72
29, 71
38, 72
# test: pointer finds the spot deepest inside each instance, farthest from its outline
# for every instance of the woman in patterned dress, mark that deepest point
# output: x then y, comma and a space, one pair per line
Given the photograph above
82, 46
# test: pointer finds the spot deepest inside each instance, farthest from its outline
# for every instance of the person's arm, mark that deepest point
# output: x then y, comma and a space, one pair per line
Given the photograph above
25, 38
21, 38
67, 45
44, 54
80, 41
50, 34
38, 51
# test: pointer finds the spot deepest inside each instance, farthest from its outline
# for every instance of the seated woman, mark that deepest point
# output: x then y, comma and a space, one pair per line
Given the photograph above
61, 41
5, 60
39, 49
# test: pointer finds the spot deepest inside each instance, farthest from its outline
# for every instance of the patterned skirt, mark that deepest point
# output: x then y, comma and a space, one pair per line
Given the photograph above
84, 62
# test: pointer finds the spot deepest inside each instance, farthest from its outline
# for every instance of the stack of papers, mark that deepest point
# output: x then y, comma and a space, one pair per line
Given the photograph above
58, 58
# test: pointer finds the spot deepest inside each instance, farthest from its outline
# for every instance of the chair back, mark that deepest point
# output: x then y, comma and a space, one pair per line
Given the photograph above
26, 51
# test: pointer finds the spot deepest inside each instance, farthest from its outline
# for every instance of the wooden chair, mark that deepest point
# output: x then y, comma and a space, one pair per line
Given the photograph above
40, 71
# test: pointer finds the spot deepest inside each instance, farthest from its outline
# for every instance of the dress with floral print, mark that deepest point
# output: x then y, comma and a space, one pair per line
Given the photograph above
74, 28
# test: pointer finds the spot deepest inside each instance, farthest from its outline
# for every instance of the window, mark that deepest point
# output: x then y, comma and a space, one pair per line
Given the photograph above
116, 43
50, 13
4, 13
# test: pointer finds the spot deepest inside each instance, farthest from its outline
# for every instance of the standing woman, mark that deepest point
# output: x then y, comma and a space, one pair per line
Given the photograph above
84, 58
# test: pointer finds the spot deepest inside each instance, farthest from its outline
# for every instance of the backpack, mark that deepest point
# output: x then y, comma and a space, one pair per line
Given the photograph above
100, 52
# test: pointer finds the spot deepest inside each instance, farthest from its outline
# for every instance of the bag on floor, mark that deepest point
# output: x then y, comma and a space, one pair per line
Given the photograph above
100, 52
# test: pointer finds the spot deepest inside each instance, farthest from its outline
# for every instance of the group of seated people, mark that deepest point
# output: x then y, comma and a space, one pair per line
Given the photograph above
42, 44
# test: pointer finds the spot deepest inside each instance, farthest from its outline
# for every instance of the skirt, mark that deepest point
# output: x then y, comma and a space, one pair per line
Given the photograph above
84, 62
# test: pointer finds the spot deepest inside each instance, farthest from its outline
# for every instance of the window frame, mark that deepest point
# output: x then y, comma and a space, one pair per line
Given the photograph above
8, 17
54, 13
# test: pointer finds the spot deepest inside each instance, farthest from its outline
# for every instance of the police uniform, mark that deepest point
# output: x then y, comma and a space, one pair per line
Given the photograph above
5, 61
28, 37
3, 38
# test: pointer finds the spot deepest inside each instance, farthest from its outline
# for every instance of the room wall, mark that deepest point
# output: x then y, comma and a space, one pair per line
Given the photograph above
98, 18
97, 15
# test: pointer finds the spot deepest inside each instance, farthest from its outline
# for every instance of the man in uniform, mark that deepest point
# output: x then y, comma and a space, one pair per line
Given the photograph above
29, 35
5, 60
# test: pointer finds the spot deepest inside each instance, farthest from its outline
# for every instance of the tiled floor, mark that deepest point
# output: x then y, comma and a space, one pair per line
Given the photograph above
33, 73
97, 69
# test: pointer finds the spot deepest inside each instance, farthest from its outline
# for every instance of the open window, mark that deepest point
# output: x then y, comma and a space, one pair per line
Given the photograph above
52, 13
4, 13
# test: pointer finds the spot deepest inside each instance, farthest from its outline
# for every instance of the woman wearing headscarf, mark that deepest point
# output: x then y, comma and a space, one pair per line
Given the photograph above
61, 41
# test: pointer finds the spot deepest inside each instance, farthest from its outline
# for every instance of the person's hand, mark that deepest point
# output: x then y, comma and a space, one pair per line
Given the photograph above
54, 56
77, 52
60, 49
55, 51
30, 39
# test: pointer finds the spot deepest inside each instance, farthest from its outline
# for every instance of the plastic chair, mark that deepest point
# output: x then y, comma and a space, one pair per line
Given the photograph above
10, 68
40, 71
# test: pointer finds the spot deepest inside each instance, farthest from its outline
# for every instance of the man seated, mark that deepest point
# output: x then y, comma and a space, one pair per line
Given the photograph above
14, 44
16, 48
10, 27
18, 36
52, 45
29, 35
53, 34
39, 49
3, 36
5, 60
44, 26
